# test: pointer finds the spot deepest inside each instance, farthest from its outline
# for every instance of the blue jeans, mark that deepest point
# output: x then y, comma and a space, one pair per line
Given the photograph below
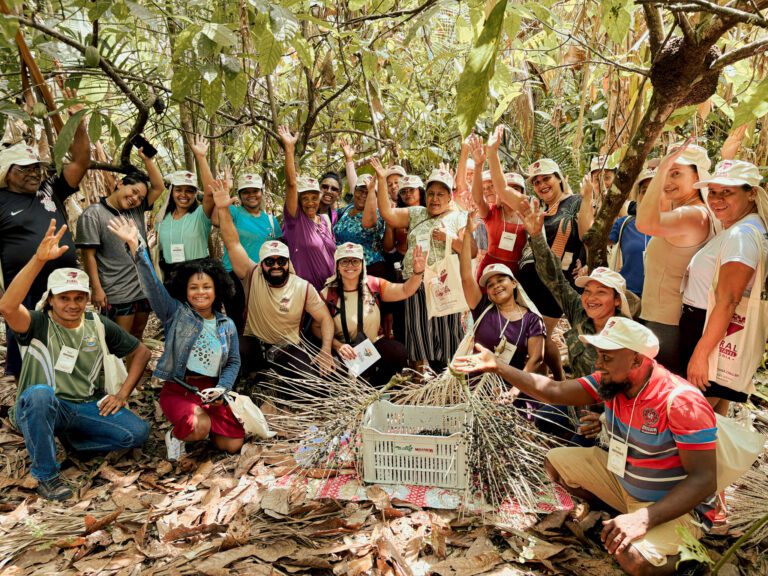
41, 416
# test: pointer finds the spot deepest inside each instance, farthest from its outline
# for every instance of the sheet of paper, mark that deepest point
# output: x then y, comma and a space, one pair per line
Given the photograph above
367, 356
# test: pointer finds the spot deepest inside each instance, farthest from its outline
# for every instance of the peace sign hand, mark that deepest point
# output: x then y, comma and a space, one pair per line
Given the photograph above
49, 248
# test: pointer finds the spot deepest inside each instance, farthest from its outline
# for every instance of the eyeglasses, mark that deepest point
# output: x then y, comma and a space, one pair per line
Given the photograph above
280, 261
31, 169
407, 191
329, 187
350, 262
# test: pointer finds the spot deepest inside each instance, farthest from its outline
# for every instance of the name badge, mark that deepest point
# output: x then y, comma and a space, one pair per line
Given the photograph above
566, 260
422, 239
617, 457
507, 241
66, 360
177, 253
505, 351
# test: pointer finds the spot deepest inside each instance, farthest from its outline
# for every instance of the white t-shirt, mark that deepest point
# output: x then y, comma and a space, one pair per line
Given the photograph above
735, 244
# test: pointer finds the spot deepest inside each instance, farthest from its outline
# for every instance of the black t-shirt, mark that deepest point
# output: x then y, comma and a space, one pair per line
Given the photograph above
24, 220
567, 212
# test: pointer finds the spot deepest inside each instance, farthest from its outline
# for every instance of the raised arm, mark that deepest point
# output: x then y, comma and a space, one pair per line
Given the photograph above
396, 292
11, 304
395, 217
369, 210
461, 169
586, 216
472, 292
508, 196
156, 184
349, 163
80, 150
291, 190
567, 392
161, 301
241, 262
478, 155
199, 146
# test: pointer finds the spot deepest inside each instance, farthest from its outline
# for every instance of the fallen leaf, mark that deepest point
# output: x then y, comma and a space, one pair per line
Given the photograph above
92, 524
276, 551
10, 520
277, 500
379, 497
552, 521
222, 559
182, 532
467, 565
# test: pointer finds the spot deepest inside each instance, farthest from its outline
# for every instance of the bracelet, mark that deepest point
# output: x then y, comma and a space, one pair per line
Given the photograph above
422, 272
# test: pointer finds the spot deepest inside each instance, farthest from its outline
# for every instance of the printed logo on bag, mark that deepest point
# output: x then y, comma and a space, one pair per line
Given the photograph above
737, 324
650, 419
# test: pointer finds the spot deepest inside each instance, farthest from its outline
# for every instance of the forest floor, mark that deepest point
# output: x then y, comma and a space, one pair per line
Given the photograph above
215, 514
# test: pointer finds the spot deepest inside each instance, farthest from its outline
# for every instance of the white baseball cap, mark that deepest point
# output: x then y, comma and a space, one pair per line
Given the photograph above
306, 184
65, 280
274, 248
611, 279
620, 333
514, 179
733, 173
349, 250
646, 174
395, 169
693, 155
20, 154
470, 164
487, 176
602, 163
183, 178
441, 175
249, 181
410, 181
363, 180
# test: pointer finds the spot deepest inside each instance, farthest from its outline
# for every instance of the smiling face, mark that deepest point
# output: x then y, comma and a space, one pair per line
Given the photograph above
730, 204
24, 179
275, 270
68, 307
489, 194
438, 198
350, 268
603, 179
250, 198
330, 190
500, 289
310, 202
678, 185
359, 197
184, 197
127, 196
393, 184
201, 292
547, 187
599, 301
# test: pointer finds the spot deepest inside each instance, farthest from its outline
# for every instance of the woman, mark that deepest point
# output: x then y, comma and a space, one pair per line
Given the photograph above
308, 233
360, 305
506, 236
254, 227
505, 320
438, 229
563, 209
331, 186
674, 214
201, 357
184, 227
360, 223
741, 206
629, 257
603, 296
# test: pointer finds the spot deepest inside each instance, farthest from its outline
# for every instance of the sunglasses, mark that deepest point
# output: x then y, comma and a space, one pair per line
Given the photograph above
30, 169
329, 187
280, 261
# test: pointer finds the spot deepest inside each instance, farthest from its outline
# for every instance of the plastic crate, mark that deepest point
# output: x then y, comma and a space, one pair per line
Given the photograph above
395, 453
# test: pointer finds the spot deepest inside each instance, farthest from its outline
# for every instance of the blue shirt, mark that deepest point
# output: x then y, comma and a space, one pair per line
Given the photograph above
253, 232
349, 228
633, 245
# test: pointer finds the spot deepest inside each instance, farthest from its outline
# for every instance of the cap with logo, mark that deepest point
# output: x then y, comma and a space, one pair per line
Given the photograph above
274, 248
306, 184
65, 280
410, 181
349, 250
514, 179
646, 174
543, 166
363, 180
522, 296
442, 176
620, 333
183, 178
733, 173
487, 177
395, 170
249, 181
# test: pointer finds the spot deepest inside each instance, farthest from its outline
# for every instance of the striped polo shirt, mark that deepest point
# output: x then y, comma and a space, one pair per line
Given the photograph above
655, 438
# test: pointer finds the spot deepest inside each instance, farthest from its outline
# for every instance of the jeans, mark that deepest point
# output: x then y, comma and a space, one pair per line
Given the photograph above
41, 416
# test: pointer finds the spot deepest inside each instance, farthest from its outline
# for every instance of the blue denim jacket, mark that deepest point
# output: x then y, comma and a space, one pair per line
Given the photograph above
182, 326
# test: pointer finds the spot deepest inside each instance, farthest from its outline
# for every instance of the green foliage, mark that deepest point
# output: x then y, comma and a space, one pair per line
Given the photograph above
692, 549
752, 105
478, 71
66, 136
617, 18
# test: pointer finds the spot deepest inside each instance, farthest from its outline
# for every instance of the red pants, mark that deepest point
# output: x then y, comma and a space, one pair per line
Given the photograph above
178, 406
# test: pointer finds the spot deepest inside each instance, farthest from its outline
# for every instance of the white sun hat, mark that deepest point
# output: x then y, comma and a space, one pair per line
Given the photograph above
410, 181
602, 163
274, 248
693, 155
522, 296
395, 170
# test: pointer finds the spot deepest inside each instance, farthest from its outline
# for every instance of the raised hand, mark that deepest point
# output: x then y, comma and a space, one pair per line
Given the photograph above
225, 176
347, 149
672, 157
125, 229
199, 145
220, 192
49, 248
495, 140
477, 151
289, 140
533, 217
483, 361
377, 166
419, 259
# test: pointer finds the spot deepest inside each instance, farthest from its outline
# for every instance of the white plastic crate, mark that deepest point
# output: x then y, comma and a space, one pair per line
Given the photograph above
395, 453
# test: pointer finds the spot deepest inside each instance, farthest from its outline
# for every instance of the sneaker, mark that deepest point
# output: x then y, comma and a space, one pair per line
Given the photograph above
54, 489
175, 447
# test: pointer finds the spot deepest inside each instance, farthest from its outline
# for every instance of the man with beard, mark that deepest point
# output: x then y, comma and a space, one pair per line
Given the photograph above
659, 473
276, 302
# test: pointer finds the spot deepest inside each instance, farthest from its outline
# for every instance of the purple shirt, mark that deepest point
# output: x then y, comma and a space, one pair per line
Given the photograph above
312, 246
489, 332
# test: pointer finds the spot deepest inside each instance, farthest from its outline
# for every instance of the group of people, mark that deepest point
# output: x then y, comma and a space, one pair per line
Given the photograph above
302, 290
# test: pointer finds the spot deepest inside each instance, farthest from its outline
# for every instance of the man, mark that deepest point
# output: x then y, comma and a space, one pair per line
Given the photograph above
276, 301
61, 384
29, 198
659, 472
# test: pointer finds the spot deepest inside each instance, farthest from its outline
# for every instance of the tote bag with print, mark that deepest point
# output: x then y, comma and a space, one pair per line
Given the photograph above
442, 286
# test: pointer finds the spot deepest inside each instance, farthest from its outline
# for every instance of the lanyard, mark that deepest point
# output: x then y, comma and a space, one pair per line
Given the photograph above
59, 337
343, 307
631, 414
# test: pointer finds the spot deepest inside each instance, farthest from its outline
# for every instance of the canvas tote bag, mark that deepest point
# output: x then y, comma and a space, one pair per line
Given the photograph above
115, 372
442, 286
735, 360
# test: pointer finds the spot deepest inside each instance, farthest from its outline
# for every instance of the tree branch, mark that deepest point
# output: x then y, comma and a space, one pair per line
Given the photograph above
731, 14
685, 26
396, 14
655, 25
745, 51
